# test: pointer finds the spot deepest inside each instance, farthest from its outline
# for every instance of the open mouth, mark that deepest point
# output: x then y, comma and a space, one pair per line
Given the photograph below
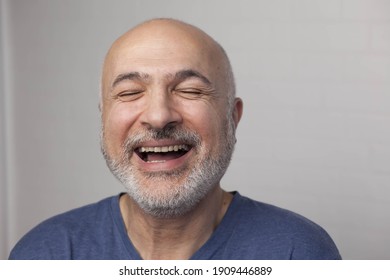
160, 154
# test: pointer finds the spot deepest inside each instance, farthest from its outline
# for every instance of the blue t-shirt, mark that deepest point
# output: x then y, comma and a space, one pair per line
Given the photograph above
249, 230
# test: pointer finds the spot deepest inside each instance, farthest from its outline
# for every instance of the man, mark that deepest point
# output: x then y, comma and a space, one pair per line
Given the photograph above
169, 115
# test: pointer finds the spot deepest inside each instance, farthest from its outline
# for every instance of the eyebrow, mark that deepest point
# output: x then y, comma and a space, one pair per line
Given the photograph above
129, 76
180, 76
189, 73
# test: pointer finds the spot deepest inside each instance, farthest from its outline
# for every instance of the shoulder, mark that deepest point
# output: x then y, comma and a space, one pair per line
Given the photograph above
55, 237
284, 233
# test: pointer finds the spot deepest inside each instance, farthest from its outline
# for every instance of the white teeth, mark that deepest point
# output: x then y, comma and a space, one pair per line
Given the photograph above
164, 149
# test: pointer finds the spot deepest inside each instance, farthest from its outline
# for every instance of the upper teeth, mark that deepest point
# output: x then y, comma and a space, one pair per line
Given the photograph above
163, 149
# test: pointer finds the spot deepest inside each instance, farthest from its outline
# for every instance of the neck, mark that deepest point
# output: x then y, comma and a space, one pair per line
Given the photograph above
178, 237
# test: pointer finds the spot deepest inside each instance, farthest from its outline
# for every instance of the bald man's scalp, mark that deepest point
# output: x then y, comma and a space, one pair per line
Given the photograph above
162, 28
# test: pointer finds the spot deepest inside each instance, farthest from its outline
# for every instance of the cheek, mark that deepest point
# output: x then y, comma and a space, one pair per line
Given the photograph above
206, 120
117, 123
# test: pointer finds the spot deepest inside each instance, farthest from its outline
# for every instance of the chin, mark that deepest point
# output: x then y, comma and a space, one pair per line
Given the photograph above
166, 199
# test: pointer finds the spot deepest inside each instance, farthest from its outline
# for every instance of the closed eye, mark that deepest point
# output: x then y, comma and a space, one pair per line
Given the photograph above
190, 93
129, 95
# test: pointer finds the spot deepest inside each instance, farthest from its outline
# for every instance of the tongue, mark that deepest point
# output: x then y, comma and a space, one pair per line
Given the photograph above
163, 156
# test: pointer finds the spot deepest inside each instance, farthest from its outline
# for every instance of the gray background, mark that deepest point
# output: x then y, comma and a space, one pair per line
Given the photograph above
314, 76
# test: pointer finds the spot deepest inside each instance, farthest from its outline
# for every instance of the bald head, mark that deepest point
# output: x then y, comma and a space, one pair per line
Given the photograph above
172, 41
168, 85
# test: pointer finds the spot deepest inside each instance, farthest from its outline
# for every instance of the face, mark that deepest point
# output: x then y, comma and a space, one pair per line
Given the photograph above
167, 133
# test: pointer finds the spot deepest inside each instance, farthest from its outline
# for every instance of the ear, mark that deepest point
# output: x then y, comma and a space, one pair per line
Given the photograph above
237, 111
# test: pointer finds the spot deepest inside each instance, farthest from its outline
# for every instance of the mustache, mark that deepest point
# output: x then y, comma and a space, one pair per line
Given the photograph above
176, 133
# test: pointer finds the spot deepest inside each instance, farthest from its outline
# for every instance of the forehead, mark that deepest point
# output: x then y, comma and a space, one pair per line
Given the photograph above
159, 54
161, 51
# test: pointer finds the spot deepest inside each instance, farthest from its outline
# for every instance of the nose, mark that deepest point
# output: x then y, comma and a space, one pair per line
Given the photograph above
160, 111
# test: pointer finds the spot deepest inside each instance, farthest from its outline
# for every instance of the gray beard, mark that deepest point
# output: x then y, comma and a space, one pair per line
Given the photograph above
178, 198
